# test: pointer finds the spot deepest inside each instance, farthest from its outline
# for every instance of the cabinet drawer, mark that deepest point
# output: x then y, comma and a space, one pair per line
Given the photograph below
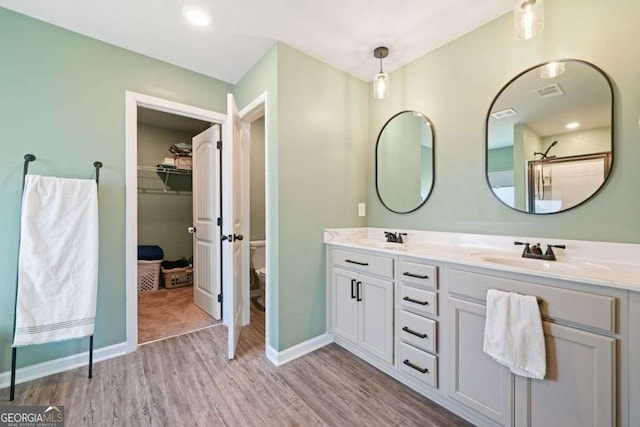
418, 364
366, 263
597, 311
419, 274
417, 330
418, 300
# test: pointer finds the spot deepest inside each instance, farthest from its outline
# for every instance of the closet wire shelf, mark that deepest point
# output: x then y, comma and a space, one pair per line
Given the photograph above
158, 179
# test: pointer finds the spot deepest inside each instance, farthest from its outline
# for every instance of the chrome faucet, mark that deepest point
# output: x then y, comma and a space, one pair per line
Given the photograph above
535, 252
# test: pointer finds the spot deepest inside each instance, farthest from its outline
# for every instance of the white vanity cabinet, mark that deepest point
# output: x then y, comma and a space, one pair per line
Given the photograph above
362, 305
579, 387
421, 321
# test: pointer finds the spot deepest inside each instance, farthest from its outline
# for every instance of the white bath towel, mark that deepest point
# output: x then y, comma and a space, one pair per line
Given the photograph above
58, 260
513, 334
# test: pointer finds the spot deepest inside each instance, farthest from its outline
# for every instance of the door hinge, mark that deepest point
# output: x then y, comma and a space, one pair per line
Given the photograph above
220, 221
219, 297
219, 145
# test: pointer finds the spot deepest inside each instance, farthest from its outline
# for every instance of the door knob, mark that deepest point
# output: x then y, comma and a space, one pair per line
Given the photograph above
238, 237
191, 230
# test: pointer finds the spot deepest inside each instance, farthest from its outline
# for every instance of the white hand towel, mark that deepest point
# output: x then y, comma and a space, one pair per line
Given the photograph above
513, 334
58, 260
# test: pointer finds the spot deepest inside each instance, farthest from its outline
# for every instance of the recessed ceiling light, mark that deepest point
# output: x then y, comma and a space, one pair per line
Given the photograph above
573, 125
195, 15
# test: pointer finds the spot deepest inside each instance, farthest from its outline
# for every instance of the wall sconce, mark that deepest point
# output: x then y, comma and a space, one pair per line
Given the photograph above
381, 80
528, 17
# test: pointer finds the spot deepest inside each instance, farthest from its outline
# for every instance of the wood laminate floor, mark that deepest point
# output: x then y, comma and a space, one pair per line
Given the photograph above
168, 312
188, 381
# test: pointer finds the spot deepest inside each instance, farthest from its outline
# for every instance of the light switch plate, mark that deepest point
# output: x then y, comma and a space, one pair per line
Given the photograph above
361, 209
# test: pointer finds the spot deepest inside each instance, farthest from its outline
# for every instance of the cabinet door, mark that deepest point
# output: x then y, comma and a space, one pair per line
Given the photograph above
376, 317
345, 308
579, 388
474, 378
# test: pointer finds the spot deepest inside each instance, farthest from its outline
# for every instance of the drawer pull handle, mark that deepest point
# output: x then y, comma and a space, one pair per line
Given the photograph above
356, 262
417, 276
416, 301
358, 286
353, 283
417, 368
418, 334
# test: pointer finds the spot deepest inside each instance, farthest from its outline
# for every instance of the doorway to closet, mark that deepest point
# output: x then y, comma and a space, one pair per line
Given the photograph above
168, 302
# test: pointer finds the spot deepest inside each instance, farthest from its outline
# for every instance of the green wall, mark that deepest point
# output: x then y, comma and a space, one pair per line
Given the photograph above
63, 99
163, 217
257, 180
322, 128
500, 159
454, 87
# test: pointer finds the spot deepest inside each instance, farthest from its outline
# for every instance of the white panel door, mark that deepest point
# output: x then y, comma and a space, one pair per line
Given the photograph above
345, 308
579, 387
206, 210
375, 300
235, 251
474, 378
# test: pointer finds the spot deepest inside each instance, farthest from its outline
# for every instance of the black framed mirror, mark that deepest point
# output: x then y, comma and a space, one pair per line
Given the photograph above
405, 162
549, 137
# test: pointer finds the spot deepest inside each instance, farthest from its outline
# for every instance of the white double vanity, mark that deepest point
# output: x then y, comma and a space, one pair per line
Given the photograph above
416, 311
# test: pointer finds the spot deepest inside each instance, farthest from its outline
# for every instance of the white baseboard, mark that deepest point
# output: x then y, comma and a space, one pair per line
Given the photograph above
51, 367
272, 355
298, 350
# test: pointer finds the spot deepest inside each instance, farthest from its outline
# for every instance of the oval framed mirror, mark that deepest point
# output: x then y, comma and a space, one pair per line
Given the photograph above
549, 137
405, 162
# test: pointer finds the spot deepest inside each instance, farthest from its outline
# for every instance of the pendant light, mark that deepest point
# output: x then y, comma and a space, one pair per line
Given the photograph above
381, 80
551, 70
528, 17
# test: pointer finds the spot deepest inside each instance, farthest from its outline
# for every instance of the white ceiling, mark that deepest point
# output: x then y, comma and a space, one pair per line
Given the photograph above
342, 33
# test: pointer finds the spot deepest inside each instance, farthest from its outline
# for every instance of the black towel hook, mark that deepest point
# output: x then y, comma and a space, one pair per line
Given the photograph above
97, 165
28, 158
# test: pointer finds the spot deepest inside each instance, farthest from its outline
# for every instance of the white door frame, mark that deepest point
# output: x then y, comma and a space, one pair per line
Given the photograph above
134, 100
254, 110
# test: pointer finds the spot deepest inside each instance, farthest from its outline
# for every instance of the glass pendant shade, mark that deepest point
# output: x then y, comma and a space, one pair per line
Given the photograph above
381, 86
551, 70
528, 17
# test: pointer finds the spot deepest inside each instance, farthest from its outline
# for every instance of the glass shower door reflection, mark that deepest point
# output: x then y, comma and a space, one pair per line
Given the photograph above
562, 183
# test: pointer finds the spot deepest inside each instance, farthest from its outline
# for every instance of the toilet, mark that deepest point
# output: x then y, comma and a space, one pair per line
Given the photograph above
258, 266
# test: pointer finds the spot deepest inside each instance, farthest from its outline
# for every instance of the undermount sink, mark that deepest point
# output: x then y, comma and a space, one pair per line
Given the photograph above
541, 265
372, 243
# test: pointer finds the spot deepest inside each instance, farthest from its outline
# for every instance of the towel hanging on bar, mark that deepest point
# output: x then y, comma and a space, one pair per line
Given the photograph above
58, 260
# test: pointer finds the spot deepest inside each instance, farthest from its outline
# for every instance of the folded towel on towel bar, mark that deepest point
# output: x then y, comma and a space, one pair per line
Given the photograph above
513, 334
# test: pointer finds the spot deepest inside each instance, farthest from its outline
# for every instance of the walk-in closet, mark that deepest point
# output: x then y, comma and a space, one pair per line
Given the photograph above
165, 217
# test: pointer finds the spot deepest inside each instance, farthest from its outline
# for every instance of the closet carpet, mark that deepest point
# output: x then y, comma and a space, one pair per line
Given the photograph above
167, 312
188, 381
